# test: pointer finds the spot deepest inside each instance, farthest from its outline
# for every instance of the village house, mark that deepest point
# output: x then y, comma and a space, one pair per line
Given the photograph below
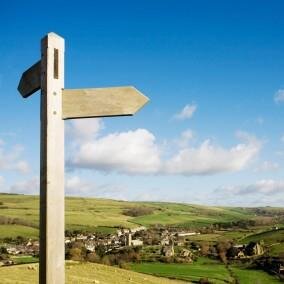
138, 229
254, 248
243, 251
186, 234
90, 246
168, 251
185, 253
165, 241
136, 243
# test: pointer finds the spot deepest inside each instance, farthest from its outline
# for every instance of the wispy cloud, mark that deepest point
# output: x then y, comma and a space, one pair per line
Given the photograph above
184, 139
267, 166
266, 187
30, 186
76, 186
279, 96
260, 193
2, 181
11, 160
186, 113
259, 120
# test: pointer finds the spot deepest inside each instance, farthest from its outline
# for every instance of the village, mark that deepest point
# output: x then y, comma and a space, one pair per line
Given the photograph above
158, 244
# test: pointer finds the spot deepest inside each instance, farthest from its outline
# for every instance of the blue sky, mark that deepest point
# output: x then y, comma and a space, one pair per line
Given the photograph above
214, 71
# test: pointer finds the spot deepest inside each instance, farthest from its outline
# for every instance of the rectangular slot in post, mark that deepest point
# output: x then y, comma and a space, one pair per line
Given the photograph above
55, 65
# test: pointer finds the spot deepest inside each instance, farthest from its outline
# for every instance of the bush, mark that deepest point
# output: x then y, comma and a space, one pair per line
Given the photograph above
204, 281
122, 264
105, 260
93, 257
75, 254
138, 211
166, 259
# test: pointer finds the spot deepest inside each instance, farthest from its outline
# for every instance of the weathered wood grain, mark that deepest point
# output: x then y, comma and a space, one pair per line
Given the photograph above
99, 102
52, 244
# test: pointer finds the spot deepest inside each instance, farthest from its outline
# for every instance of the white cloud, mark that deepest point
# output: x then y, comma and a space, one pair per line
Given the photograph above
84, 129
267, 166
282, 138
131, 152
137, 152
30, 186
187, 112
211, 159
279, 96
10, 159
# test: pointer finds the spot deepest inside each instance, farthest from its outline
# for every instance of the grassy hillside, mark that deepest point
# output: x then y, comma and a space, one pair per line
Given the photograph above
101, 214
19, 215
76, 273
272, 239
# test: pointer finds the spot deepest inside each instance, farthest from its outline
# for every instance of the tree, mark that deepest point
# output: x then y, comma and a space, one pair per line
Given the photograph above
75, 254
204, 248
222, 248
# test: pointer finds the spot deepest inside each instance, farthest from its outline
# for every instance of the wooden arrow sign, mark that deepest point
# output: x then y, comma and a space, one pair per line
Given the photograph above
99, 102
30, 80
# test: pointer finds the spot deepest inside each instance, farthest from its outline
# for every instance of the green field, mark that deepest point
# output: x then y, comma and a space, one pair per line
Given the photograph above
92, 214
270, 237
212, 270
81, 273
204, 268
24, 259
13, 231
249, 276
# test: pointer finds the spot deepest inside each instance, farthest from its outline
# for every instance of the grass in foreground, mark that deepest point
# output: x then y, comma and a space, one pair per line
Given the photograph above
81, 273
205, 268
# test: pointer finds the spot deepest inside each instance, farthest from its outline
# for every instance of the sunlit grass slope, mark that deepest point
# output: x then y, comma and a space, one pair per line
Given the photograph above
81, 273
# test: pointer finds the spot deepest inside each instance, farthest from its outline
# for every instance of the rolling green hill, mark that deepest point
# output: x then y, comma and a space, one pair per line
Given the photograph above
19, 214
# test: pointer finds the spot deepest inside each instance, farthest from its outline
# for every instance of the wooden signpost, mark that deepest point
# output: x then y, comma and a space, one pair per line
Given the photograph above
58, 104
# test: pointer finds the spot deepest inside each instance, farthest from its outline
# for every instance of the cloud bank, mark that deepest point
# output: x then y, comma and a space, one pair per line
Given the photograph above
138, 152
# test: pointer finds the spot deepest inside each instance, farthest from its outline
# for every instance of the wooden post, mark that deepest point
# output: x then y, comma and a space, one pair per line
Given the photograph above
52, 245
56, 105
